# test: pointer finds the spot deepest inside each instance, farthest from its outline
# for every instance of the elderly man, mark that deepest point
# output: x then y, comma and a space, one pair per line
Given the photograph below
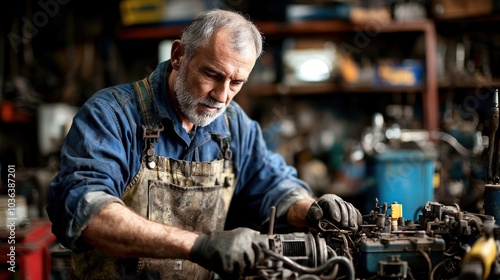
167, 178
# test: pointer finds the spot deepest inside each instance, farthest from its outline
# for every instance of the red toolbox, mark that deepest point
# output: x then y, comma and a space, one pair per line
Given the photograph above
29, 256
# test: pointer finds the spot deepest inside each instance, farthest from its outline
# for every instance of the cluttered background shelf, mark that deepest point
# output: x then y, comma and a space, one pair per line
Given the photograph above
334, 80
276, 29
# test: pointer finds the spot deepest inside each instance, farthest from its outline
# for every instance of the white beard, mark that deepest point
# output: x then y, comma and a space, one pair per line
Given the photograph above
187, 104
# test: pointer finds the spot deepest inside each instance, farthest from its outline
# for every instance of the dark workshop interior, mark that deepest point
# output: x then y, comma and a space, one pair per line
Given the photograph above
390, 104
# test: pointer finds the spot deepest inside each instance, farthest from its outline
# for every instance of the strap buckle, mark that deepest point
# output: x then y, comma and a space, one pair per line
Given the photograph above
152, 132
150, 135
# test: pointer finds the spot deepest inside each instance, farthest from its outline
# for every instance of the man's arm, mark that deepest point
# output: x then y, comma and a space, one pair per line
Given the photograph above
116, 230
297, 212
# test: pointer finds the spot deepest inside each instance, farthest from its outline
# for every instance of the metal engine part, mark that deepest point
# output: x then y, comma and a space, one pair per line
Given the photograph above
440, 245
298, 255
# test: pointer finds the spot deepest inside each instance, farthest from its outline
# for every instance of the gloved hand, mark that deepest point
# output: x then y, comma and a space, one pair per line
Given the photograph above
334, 209
230, 254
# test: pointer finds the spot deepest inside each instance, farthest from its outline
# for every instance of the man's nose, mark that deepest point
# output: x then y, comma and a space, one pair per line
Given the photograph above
220, 92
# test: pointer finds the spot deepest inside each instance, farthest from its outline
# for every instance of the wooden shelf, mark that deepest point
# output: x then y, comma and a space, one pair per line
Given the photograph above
149, 32
447, 84
323, 88
327, 27
491, 18
282, 29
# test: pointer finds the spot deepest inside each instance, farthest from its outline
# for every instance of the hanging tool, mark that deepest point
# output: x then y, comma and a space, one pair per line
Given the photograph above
491, 194
492, 176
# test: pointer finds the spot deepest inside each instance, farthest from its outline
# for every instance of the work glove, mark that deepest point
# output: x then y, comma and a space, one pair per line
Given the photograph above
334, 209
230, 254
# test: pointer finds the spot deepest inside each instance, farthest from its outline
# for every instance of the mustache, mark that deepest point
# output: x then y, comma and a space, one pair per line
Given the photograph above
212, 103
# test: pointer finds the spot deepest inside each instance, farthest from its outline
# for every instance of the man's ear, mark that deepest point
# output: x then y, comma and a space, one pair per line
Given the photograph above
176, 54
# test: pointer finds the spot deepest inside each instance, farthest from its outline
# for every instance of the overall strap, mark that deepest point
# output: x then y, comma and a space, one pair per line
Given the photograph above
151, 124
225, 143
227, 155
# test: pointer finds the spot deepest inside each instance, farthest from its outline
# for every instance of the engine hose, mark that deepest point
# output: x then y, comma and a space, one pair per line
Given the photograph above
318, 270
453, 142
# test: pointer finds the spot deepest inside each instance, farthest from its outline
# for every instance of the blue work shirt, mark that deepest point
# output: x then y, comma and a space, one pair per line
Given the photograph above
102, 153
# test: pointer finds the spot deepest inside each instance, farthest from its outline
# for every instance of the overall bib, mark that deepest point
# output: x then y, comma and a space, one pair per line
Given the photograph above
194, 196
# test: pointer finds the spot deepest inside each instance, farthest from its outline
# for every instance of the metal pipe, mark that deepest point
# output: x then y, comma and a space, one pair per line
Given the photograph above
492, 145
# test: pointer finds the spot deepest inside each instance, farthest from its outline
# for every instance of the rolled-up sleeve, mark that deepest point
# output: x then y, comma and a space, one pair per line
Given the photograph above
88, 206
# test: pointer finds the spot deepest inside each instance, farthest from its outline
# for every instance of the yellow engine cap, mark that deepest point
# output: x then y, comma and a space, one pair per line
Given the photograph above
396, 210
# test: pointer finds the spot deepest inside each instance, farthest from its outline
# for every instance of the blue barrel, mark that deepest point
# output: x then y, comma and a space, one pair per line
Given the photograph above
491, 197
403, 176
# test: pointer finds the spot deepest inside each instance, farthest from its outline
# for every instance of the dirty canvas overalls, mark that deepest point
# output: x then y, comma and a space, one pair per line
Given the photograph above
194, 196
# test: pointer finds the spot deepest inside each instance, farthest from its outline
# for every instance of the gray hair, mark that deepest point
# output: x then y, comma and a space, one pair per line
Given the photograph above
198, 33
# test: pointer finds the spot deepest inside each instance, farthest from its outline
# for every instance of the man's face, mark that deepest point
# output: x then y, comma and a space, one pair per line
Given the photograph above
206, 84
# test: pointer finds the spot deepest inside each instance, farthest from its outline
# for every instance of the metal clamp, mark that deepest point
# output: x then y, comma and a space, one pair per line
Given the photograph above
150, 135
